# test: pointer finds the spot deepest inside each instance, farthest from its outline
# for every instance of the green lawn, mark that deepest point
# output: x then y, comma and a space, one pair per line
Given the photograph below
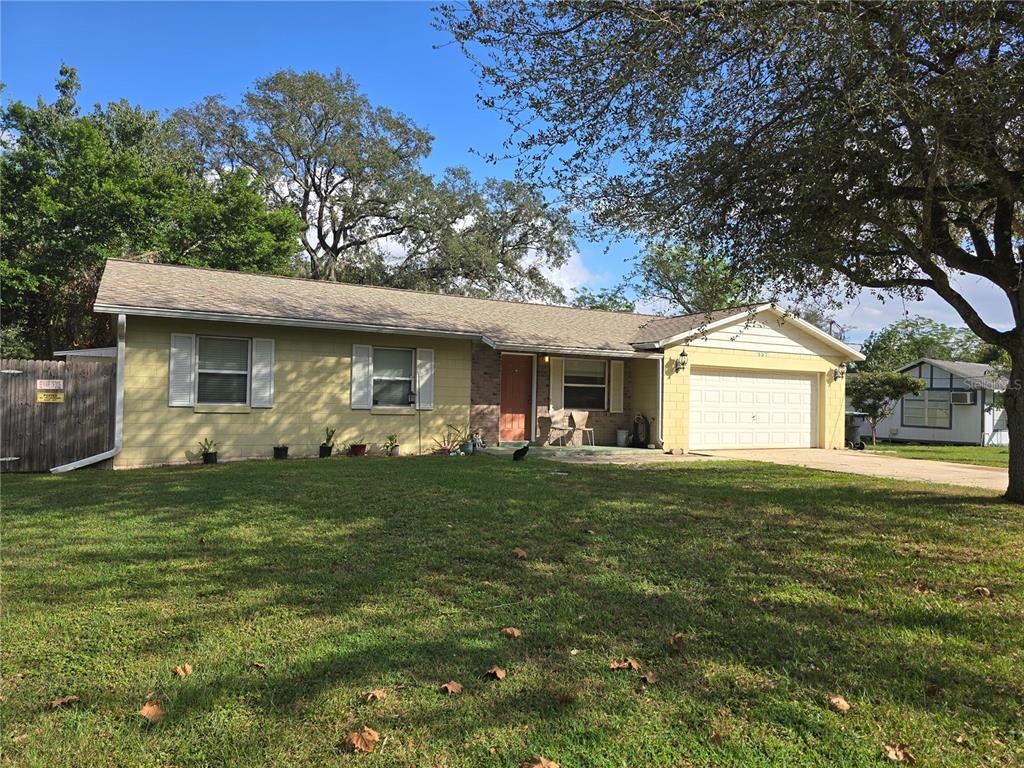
986, 456
347, 575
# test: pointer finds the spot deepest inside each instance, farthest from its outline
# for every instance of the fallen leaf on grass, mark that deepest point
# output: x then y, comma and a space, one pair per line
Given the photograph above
451, 688
626, 663
519, 553
899, 753
983, 591
574, 652
512, 632
960, 738
495, 673
717, 738
259, 666
63, 701
152, 711
677, 640
362, 741
923, 588
539, 762
839, 704
19, 737
649, 677
375, 695
183, 670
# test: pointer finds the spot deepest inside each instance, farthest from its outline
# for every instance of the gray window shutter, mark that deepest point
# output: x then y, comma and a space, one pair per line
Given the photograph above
425, 379
262, 373
362, 376
181, 386
615, 398
557, 376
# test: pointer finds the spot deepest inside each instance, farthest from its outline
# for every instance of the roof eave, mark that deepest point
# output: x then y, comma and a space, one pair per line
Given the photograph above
223, 317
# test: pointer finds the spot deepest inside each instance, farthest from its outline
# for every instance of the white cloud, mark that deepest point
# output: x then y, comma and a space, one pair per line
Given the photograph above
576, 274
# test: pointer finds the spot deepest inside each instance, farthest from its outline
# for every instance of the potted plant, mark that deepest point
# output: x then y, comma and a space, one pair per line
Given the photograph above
280, 451
209, 450
357, 449
448, 444
391, 445
327, 446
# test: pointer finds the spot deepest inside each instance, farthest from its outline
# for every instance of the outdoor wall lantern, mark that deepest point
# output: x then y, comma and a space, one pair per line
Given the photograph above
681, 361
547, 359
839, 373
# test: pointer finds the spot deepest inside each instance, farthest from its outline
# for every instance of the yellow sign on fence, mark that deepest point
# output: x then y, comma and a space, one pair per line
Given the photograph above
49, 397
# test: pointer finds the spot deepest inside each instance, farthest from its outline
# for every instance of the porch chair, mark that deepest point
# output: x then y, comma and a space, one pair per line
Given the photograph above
579, 424
560, 427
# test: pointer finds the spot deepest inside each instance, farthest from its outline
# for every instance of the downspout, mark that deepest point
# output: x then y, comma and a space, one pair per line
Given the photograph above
118, 412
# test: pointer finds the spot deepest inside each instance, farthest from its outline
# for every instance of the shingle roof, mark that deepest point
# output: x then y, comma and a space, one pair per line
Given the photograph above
981, 373
176, 290
660, 328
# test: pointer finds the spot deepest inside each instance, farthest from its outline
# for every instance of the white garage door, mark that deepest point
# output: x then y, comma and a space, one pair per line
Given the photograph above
747, 409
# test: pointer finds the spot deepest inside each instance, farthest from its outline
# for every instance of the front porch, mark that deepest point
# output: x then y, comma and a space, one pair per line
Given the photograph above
529, 397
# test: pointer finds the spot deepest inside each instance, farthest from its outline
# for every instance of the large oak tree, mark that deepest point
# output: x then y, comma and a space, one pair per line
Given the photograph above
352, 171
833, 146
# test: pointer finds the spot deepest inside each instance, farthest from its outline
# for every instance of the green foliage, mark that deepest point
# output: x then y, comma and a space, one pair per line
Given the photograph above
685, 276
390, 443
13, 344
608, 299
206, 445
329, 433
352, 172
828, 146
79, 189
876, 393
905, 341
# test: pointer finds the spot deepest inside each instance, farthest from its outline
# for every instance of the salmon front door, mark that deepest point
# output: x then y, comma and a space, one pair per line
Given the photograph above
516, 397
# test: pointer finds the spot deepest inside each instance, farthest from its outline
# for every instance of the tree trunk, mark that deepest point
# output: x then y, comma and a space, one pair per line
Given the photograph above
1014, 404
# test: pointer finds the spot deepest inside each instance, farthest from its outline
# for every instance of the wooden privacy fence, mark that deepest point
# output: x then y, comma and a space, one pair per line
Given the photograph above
54, 412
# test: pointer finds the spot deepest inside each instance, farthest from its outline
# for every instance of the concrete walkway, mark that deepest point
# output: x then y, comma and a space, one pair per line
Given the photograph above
875, 465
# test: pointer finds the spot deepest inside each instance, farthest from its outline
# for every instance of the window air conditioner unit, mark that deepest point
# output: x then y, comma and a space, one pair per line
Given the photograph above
964, 398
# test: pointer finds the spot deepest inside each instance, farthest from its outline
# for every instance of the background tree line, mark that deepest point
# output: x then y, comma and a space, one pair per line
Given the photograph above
304, 177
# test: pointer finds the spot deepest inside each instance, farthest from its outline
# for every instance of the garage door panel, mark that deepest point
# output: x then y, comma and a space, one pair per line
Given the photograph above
752, 409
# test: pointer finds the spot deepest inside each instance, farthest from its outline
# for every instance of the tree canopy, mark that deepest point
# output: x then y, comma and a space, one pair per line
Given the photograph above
905, 341
352, 171
79, 189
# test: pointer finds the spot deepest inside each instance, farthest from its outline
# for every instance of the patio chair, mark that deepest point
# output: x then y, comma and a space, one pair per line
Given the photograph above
560, 427
579, 424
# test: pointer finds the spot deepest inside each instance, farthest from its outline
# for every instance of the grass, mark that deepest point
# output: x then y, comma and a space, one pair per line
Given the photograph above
345, 575
985, 456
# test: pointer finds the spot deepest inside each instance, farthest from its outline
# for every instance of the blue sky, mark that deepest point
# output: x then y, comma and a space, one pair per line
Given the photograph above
166, 55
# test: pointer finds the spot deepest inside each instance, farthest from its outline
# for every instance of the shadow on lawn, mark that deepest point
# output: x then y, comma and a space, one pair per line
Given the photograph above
785, 577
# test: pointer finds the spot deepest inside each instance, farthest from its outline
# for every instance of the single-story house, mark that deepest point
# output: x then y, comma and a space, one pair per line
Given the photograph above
962, 403
252, 361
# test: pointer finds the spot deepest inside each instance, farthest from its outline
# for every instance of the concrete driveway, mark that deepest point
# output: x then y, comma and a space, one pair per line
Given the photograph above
875, 465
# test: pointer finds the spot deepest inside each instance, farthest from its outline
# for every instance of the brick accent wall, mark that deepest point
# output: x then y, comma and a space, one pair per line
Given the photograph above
485, 400
485, 392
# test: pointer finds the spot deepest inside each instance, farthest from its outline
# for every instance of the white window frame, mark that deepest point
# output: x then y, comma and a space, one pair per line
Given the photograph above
247, 372
375, 378
603, 386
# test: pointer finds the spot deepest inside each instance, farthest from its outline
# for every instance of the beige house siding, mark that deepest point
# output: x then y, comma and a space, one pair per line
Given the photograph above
312, 384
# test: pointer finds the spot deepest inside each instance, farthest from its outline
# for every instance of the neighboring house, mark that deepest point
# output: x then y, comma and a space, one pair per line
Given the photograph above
962, 403
251, 361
